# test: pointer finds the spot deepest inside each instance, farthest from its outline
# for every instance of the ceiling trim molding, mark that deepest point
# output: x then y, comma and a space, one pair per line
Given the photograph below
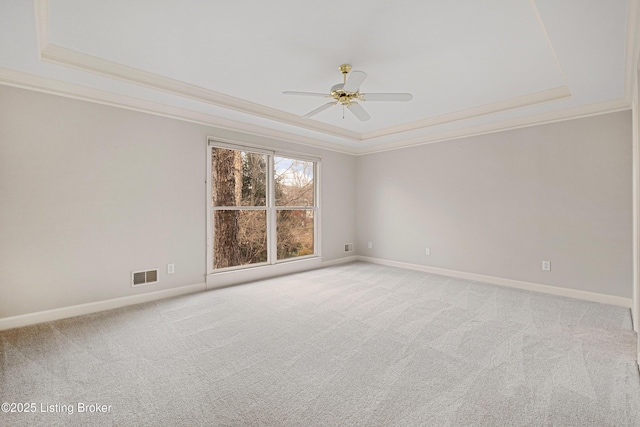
20, 79
71, 58
68, 57
541, 97
15, 78
632, 47
88, 63
589, 110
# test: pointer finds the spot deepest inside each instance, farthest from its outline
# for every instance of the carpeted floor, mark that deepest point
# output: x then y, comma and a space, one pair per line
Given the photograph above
351, 345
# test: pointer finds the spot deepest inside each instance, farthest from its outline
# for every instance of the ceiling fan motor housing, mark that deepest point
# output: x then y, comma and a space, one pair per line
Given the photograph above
347, 97
341, 96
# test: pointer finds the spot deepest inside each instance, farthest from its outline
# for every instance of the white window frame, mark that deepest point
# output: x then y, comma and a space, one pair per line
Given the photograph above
270, 208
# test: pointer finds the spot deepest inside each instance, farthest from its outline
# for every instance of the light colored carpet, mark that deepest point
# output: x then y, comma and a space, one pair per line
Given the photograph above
351, 345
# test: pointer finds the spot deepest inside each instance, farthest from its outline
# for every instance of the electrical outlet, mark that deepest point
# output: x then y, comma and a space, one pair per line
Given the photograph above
427, 251
171, 268
546, 265
369, 245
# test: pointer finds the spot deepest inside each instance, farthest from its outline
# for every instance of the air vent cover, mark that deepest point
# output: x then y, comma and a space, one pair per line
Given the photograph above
148, 277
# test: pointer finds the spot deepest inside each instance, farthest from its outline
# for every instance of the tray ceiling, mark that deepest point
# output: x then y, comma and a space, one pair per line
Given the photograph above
467, 63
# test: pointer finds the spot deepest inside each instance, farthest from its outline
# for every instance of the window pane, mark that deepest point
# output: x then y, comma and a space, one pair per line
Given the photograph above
294, 233
240, 237
293, 182
239, 178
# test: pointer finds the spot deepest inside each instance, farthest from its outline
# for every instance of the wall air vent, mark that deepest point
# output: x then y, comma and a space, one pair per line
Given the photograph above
348, 247
148, 277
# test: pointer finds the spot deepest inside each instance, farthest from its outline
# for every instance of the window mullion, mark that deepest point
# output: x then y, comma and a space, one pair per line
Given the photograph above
271, 216
316, 203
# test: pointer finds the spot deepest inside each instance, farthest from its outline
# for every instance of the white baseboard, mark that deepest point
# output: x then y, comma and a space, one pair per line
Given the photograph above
528, 286
93, 307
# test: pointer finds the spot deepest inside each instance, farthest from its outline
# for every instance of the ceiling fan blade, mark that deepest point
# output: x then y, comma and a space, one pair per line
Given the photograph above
290, 92
387, 97
319, 109
354, 80
358, 111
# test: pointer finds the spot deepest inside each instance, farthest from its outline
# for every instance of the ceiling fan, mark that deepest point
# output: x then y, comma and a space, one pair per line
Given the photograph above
347, 92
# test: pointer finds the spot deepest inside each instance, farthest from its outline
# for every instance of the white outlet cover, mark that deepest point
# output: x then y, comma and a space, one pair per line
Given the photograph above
171, 268
369, 245
546, 265
427, 251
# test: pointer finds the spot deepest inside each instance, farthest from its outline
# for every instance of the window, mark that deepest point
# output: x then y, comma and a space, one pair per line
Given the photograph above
263, 207
239, 201
294, 200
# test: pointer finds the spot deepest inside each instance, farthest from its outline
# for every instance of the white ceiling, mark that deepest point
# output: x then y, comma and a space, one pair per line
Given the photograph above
469, 64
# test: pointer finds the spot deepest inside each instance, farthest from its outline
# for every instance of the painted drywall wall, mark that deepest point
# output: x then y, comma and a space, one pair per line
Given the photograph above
338, 198
90, 193
500, 204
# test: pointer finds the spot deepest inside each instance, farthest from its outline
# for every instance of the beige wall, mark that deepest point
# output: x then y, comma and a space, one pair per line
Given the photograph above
89, 193
501, 203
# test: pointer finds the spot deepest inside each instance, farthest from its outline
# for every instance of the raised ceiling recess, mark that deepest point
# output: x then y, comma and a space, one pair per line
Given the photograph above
471, 66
